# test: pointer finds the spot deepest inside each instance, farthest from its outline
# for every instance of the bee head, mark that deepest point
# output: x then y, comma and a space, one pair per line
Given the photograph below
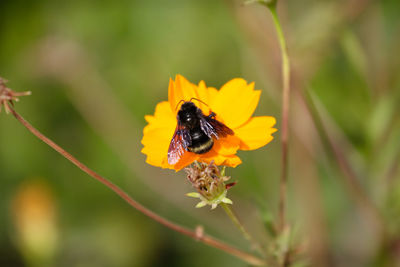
187, 114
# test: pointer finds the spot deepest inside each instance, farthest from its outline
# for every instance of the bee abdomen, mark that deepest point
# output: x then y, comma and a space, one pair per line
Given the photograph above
201, 143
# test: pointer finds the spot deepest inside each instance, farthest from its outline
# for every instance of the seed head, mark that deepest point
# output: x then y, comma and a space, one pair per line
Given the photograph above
209, 183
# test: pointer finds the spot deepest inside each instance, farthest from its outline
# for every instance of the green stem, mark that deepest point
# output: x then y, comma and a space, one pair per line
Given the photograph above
285, 115
240, 226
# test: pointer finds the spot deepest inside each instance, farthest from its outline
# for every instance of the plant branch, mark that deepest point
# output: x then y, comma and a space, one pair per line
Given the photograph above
240, 226
208, 240
285, 114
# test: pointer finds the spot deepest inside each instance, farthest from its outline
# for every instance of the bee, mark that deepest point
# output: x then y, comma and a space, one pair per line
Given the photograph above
195, 132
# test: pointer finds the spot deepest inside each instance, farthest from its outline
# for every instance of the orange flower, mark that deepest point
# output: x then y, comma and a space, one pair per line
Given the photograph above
234, 105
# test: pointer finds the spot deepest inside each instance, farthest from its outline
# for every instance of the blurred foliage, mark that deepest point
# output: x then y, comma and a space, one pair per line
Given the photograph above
345, 53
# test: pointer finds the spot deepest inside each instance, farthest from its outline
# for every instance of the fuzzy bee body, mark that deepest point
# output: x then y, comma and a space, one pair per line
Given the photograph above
189, 117
201, 143
194, 132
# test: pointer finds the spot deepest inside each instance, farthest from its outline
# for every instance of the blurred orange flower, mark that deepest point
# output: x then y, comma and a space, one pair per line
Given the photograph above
233, 105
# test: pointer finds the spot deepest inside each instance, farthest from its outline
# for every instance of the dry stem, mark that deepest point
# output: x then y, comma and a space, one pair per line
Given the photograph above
180, 229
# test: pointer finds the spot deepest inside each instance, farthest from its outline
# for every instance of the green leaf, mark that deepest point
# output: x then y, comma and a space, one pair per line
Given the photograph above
193, 194
201, 204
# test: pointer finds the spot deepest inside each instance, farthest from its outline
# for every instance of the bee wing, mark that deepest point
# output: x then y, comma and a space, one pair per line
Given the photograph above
211, 127
179, 143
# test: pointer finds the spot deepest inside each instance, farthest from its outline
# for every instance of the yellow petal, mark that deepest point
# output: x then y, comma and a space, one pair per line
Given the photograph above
231, 161
157, 135
156, 143
236, 102
186, 159
180, 89
205, 94
257, 132
163, 117
227, 145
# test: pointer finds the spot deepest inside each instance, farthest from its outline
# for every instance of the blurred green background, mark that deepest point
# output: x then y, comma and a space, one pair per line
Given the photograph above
95, 68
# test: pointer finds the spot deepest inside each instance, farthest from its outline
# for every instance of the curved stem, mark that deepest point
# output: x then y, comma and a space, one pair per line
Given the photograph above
240, 226
285, 115
180, 229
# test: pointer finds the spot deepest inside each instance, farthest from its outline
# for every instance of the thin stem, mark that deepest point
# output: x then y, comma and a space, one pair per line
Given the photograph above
240, 226
208, 240
285, 115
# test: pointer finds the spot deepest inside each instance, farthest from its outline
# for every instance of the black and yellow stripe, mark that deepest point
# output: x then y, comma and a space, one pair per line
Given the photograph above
202, 148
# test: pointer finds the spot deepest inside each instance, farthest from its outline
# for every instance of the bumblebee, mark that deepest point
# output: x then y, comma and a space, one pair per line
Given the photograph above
195, 132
